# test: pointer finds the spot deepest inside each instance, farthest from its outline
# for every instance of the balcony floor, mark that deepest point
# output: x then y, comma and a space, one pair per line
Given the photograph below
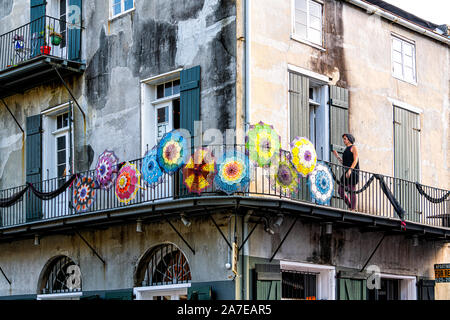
36, 72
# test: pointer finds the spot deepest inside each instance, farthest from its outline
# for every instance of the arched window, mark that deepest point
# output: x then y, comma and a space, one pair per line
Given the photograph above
163, 265
61, 275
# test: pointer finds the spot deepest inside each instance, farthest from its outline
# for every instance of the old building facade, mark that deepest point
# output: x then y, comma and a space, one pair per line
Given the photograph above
126, 72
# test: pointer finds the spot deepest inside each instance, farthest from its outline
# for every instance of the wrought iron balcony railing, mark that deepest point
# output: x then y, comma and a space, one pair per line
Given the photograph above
45, 36
421, 204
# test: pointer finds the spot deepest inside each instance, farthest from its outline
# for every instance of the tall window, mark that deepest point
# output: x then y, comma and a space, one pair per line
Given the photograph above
403, 59
121, 6
308, 20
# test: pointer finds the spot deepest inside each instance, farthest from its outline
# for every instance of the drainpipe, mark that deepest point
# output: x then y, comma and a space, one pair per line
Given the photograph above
371, 9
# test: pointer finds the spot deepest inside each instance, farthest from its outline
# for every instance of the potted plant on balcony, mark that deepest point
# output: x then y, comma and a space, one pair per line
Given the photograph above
55, 37
45, 49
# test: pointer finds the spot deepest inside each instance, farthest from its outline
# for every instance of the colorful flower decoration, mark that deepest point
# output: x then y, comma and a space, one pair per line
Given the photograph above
304, 155
83, 193
151, 172
233, 172
285, 177
199, 171
171, 152
127, 182
320, 183
106, 169
262, 144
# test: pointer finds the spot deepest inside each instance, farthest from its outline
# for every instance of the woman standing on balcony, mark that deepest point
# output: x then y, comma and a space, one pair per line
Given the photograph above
350, 161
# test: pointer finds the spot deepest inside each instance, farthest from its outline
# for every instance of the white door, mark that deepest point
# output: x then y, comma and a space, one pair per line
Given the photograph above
57, 10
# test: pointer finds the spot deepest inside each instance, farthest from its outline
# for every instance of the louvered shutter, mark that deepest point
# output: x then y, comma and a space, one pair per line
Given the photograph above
33, 165
352, 289
74, 30
406, 161
268, 282
37, 26
189, 111
338, 120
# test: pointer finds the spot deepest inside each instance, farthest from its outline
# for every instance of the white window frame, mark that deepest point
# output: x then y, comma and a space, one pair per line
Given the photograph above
149, 103
60, 296
172, 290
326, 279
408, 285
297, 37
413, 44
122, 12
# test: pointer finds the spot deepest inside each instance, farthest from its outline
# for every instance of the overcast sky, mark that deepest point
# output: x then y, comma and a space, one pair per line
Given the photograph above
436, 11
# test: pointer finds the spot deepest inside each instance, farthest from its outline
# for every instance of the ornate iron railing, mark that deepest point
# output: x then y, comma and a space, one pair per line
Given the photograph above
417, 203
45, 36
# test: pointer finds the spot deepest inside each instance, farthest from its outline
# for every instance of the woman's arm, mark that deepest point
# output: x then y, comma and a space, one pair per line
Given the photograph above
337, 156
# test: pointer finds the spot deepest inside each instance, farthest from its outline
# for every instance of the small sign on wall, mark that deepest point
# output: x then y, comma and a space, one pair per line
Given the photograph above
442, 272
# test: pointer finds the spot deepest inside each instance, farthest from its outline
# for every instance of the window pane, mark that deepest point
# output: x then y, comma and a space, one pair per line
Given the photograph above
315, 23
300, 17
160, 91
61, 157
397, 57
315, 36
128, 5
176, 86
408, 61
398, 72
407, 49
300, 30
61, 143
409, 74
116, 8
396, 44
167, 89
300, 5
162, 115
315, 9
61, 170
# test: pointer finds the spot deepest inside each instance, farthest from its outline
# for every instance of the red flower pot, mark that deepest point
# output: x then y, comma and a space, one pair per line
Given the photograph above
45, 49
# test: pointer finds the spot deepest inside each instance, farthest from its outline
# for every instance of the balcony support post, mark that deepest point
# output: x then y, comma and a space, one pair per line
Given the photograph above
90, 247
20, 127
5, 276
250, 233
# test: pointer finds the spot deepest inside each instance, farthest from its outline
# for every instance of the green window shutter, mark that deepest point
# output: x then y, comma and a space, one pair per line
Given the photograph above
189, 98
37, 19
352, 289
406, 161
200, 293
338, 119
268, 282
298, 105
33, 164
123, 294
425, 289
74, 32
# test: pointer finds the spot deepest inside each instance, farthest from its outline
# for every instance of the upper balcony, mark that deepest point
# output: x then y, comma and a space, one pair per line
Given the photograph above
30, 54
382, 203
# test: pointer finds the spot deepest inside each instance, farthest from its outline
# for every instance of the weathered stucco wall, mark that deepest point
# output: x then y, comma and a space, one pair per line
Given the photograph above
357, 56
157, 37
371, 84
121, 247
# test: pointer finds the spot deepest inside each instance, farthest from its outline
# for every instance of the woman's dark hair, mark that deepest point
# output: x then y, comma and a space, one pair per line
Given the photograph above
350, 137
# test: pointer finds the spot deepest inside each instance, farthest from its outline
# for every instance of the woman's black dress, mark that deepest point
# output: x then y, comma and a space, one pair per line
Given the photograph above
347, 160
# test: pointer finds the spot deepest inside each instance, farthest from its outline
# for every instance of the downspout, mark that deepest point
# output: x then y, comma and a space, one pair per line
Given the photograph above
247, 22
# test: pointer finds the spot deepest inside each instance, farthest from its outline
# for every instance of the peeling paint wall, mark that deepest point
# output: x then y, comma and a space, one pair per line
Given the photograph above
157, 37
122, 248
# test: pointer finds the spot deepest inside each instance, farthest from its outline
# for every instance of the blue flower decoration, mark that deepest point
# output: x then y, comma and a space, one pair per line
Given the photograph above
150, 169
321, 184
